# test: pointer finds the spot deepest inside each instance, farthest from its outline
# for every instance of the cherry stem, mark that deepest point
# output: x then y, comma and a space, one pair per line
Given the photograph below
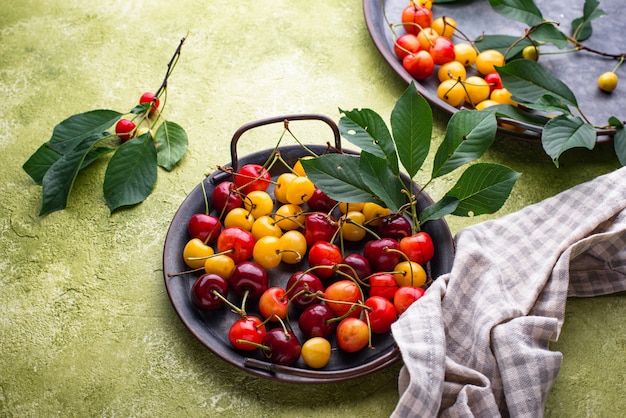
206, 257
185, 272
240, 311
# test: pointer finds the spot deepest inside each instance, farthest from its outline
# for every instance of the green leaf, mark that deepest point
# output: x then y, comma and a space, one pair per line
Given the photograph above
562, 133
72, 131
339, 177
514, 112
581, 27
483, 188
412, 127
445, 206
503, 44
131, 173
39, 163
619, 143
379, 178
549, 33
59, 179
172, 143
469, 134
529, 82
524, 11
367, 130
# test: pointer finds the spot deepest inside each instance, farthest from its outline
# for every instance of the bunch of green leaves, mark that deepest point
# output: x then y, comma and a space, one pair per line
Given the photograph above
375, 174
131, 172
535, 88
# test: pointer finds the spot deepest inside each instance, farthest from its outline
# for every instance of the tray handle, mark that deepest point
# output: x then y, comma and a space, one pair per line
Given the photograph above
276, 119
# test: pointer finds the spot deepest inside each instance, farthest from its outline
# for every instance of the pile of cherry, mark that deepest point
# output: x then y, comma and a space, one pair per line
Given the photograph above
356, 267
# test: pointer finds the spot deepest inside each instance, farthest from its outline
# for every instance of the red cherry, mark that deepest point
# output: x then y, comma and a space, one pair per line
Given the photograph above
406, 44
124, 129
494, 80
419, 65
301, 287
442, 50
204, 227
405, 296
415, 18
246, 330
325, 256
250, 277
282, 347
320, 202
203, 292
352, 334
394, 226
384, 285
319, 226
382, 314
314, 321
148, 97
236, 242
418, 247
252, 177
224, 197
355, 264
382, 254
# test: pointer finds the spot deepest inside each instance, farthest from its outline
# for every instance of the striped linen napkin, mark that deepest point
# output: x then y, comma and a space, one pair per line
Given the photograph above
476, 344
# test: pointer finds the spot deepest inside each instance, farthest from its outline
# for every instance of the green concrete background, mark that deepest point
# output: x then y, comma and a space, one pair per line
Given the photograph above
86, 326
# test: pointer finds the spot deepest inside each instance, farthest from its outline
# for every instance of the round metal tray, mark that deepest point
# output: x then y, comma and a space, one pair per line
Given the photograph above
211, 328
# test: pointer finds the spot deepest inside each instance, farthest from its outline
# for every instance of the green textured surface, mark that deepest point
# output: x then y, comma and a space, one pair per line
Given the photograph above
86, 326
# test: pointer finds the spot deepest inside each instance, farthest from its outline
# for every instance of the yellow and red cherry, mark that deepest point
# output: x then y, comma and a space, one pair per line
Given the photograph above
225, 198
383, 285
452, 92
317, 320
265, 226
345, 207
289, 216
239, 217
209, 291
381, 314
351, 226
267, 252
246, 333
465, 53
444, 26
494, 80
419, 65
149, 97
302, 288
274, 304
258, 203
196, 252
476, 89
415, 18
607, 81
353, 334
298, 168
299, 190
406, 44
281, 346
442, 50
487, 60
293, 246
316, 352
252, 177
125, 129
374, 212
418, 247
426, 37
219, 264
343, 297
394, 226
249, 278
325, 257
410, 273
383, 254
204, 227
237, 243
280, 188
405, 296
451, 70
502, 96
320, 202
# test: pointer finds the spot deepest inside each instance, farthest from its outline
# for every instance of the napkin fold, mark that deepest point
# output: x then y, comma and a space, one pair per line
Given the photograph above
476, 344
